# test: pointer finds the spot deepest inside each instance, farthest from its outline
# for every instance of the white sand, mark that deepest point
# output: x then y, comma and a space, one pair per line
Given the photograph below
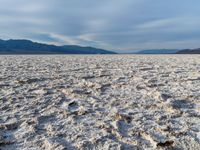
100, 102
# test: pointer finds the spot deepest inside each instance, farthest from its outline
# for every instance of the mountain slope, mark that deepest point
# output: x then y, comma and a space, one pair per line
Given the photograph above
29, 47
189, 51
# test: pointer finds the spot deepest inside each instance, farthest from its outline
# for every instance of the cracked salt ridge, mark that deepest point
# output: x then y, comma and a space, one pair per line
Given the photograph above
100, 102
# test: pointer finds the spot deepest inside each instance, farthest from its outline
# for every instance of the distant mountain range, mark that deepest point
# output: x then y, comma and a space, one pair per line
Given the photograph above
189, 51
157, 51
29, 47
167, 51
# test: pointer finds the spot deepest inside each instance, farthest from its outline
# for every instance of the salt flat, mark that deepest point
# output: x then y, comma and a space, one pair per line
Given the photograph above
100, 102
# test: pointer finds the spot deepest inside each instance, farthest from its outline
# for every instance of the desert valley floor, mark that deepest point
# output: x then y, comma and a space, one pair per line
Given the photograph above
100, 102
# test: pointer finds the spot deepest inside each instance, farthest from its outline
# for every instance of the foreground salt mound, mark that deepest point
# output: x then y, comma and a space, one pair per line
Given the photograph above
100, 102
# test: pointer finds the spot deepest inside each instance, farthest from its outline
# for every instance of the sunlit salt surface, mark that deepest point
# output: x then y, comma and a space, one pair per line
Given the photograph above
100, 102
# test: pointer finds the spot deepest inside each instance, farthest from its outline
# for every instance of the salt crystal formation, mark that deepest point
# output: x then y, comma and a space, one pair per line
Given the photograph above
100, 102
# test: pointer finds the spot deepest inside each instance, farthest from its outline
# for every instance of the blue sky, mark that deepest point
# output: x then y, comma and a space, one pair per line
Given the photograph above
110, 24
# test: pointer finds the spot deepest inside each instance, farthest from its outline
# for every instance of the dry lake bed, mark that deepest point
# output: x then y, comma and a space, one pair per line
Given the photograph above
100, 102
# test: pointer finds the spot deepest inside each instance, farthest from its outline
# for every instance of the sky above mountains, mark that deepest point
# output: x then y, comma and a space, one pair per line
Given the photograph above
109, 24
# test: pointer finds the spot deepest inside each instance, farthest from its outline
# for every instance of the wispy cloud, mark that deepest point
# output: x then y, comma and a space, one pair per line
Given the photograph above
63, 39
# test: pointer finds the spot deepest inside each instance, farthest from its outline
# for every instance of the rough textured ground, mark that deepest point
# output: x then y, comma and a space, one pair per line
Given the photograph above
100, 102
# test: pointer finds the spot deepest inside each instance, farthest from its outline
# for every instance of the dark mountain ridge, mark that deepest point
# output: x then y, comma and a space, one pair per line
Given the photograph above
29, 47
189, 51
